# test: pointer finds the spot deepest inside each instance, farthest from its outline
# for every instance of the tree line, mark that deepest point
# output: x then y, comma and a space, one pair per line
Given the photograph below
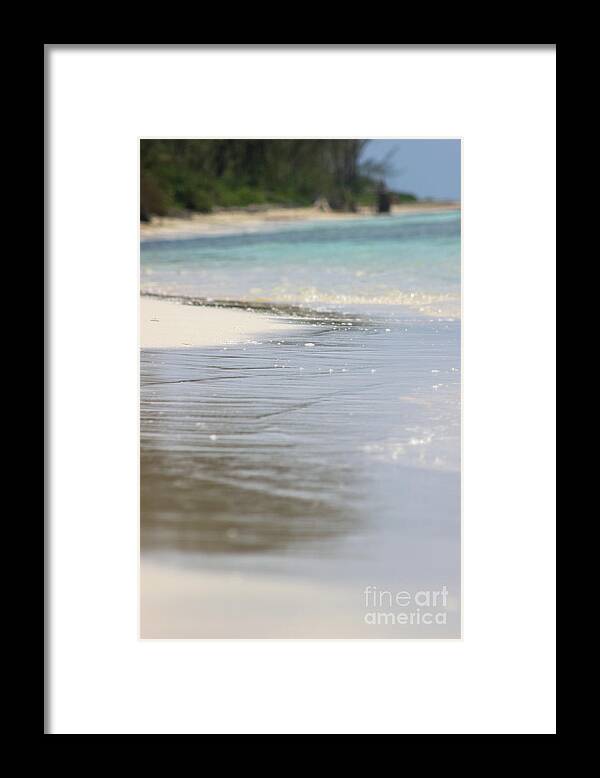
201, 175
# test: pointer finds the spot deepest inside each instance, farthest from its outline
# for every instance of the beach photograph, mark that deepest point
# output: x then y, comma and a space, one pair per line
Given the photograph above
300, 388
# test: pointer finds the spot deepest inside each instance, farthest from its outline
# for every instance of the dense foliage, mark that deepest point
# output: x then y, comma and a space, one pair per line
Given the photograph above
199, 175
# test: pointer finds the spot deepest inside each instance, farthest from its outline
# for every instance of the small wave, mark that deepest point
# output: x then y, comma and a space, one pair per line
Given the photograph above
431, 304
263, 306
304, 302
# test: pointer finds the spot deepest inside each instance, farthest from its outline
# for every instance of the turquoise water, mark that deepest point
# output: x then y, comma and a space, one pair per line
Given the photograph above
413, 261
316, 463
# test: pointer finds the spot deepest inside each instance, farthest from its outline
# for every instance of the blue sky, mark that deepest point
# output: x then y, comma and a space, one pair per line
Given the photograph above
426, 168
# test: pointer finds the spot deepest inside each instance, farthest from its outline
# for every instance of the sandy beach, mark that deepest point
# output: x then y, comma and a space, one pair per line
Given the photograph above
289, 459
166, 324
244, 219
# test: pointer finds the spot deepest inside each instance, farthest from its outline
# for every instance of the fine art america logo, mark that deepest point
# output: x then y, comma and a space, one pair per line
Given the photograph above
425, 607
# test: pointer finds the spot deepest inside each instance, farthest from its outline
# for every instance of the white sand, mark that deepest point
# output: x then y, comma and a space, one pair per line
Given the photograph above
165, 324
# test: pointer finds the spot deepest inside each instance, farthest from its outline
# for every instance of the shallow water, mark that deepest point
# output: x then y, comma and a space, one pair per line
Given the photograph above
290, 474
409, 260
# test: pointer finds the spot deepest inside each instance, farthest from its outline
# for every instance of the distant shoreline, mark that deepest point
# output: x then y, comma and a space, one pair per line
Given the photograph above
229, 220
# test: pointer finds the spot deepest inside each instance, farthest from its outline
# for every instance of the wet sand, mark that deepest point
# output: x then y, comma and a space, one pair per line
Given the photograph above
189, 604
281, 478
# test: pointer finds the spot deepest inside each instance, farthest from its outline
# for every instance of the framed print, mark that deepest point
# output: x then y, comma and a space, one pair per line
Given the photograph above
300, 388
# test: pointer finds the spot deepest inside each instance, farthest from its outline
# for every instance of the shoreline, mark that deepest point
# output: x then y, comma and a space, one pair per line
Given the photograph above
167, 324
231, 220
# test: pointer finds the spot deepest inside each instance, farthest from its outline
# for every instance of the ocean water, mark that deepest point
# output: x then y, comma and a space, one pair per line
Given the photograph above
407, 260
292, 483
